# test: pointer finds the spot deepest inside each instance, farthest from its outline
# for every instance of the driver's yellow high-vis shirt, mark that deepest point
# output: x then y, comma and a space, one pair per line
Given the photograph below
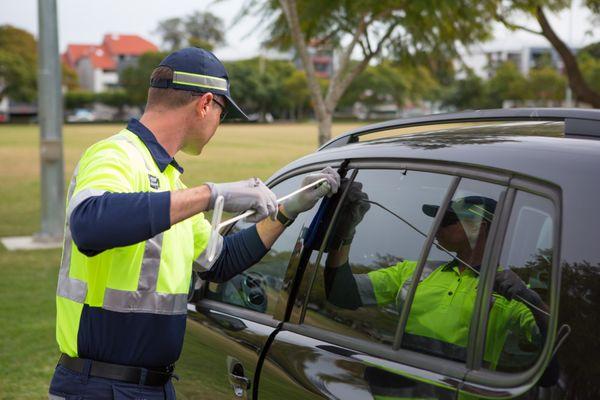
442, 308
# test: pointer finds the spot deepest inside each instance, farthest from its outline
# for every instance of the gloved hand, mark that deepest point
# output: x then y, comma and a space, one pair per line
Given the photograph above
251, 194
351, 214
510, 285
307, 199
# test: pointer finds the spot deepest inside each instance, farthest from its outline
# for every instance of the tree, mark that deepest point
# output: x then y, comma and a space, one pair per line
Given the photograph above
390, 82
466, 94
172, 32
538, 9
546, 84
507, 83
295, 88
199, 29
258, 85
79, 99
590, 68
18, 64
400, 27
136, 79
204, 29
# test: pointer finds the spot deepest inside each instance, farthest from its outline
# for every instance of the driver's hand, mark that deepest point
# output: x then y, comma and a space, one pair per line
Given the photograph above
510, 285
351, 214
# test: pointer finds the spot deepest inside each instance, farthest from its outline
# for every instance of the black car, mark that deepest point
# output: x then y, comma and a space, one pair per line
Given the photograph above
283, 330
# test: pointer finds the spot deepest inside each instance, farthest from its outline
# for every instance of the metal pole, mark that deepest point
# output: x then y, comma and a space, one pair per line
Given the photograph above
50, 114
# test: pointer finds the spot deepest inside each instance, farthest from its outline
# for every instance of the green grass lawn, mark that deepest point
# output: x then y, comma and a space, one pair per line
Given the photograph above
28, 351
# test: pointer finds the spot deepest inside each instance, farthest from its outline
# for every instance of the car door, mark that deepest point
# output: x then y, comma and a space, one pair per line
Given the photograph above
230, 323
413, 341
332, 348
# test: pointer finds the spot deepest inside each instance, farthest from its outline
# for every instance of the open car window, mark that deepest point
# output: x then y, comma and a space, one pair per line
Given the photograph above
371, 251
258, 287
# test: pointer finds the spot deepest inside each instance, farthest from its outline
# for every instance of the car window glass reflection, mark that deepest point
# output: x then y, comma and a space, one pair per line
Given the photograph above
522, 285
441, 311
258, 287
381, 225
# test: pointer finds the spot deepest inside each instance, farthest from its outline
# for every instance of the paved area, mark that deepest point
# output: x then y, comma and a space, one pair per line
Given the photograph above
29, 243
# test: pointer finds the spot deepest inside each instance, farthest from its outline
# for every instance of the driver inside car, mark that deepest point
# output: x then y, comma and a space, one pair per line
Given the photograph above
443, 303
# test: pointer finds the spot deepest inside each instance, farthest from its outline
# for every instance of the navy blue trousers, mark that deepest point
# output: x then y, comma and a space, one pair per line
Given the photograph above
71, 385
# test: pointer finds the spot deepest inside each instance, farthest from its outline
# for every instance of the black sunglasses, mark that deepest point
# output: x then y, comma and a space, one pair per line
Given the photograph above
223, 109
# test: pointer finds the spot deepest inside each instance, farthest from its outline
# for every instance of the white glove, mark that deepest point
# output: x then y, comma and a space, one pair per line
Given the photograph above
306, 199
251, 194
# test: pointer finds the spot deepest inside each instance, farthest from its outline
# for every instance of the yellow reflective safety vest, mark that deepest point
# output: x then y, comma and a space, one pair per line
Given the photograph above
150, 277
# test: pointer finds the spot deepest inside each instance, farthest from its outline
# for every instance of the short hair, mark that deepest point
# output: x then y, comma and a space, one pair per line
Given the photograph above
166, 98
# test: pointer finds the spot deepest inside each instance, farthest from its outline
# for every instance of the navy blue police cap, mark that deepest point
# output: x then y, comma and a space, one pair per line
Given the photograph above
198, 70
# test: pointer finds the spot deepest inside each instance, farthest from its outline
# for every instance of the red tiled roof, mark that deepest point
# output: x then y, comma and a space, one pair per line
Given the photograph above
128, 45
102, 60
76, 51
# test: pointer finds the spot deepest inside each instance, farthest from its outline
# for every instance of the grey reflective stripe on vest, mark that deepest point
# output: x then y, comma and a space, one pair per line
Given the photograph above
70, 288
201, 264
145, 298
85, 194
428, 268
365, 289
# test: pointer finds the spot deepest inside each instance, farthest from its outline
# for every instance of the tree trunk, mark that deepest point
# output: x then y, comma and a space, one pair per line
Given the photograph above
325, 129
580, 88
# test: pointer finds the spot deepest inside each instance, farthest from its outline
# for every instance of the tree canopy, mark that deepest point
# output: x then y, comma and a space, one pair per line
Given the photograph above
199, 29
18, 64
135, 79
582, 88
398, 29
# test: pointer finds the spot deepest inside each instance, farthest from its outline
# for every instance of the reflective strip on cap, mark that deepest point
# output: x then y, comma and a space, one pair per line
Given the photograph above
204, 81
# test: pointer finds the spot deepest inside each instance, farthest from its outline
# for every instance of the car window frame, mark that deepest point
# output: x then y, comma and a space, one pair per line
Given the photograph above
465, 371
495, 380
201, 302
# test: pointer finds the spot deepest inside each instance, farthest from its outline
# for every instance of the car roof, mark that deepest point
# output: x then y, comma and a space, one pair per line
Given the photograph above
536, 149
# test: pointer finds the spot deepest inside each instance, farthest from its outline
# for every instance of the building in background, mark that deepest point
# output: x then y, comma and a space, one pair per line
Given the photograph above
98, 66
484, 60
323, 58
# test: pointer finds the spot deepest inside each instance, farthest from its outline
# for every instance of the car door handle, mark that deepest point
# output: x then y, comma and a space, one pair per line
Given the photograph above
241, 381
237, 377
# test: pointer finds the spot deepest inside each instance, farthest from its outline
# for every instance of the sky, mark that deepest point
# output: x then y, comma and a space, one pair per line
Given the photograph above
86, 21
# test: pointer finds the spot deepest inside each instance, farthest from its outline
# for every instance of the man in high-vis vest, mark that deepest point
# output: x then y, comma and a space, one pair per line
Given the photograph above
133, 231
443, 304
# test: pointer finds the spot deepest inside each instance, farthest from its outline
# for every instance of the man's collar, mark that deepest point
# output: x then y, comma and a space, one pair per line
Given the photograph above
454, 264
159, 154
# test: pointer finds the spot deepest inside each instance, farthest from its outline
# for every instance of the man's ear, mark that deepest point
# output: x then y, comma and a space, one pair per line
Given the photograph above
203, 104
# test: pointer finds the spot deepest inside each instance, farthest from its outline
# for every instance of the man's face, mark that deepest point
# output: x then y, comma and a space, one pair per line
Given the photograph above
205, 117
456, 235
